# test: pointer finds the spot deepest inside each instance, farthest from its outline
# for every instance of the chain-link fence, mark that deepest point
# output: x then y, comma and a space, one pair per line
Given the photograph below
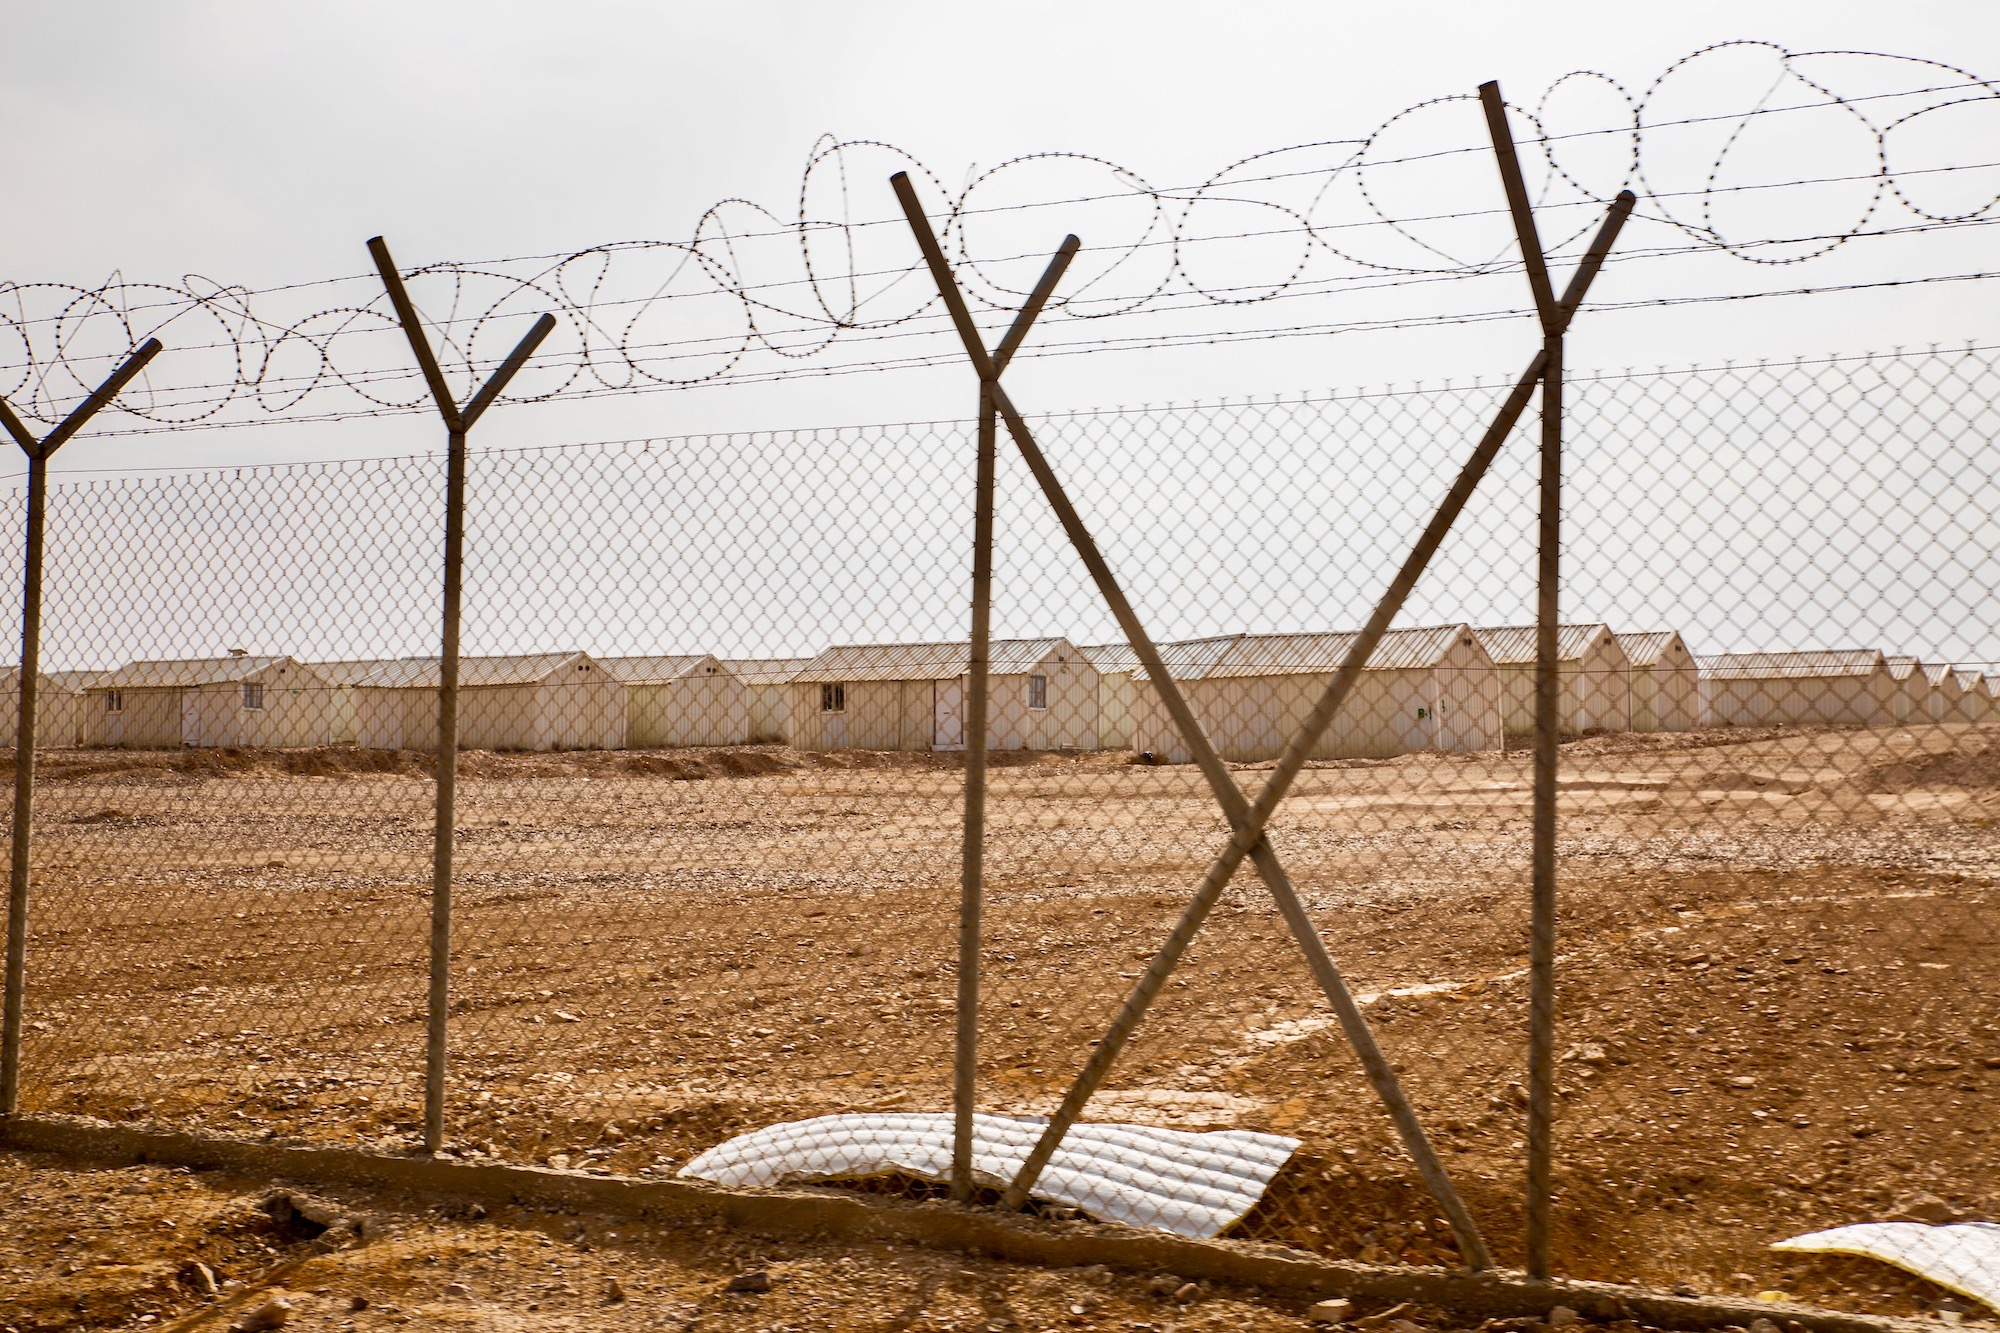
710, 806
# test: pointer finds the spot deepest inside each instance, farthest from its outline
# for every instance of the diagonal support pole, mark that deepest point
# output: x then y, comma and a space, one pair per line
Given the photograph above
39, 452
972, 860
458, 423
1249, 835
1248, 839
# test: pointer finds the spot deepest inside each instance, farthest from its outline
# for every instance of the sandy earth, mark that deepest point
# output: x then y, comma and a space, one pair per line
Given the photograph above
1778, 1006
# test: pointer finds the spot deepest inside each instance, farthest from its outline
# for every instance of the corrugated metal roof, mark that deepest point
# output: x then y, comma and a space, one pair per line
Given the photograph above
1247, 655
1968, 680
1191, 659
764, 670
656, 670
1646, 649
1805, 665
1901, 665
350, 670
422, 673
1189, 1184
1935, 672
1109, 656
184, 673
929, 661
1514, 645
73, 681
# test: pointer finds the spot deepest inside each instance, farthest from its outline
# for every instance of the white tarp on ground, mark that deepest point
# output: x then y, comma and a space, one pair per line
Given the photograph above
1964, 1256
1189, 1184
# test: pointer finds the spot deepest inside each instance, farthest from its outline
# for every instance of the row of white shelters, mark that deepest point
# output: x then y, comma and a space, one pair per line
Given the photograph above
767, 694
1666, 682
1822, 687
59, 705
540, 701
1433, 688
1042, 695
1594, 672
680, 700
233, 700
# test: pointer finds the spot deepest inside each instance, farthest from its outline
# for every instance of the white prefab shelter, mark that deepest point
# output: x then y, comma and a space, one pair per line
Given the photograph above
1595, 677
344, 674
1115, 663
1941, 701
1423, 689
1910, 701
767, 692
58, 708
680, 700
1839, 687
1666, 682
1042, 695
540, 701
1975, 701
214, 701
1993, 697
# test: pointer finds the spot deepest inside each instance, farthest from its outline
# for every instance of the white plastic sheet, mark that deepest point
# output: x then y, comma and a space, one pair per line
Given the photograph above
1189, 1184
1964, 1256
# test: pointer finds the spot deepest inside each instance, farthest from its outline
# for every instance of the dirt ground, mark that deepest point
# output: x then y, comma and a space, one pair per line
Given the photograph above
1777, 1005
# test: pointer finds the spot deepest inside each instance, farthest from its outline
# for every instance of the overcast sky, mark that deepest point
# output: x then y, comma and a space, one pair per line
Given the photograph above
261, 144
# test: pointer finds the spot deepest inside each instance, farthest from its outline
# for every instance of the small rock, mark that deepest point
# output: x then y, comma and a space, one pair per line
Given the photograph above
1518, 1093
1563, 1317
274, 1313
201, 1277
356, 1304
613, 1293
1186, 1292
566, 1017
559, 1160
757, 1281
1743, 1081
1685, 1289
1763, 1325
1331, 1312
458, 1289
1923, 1207
1166, 1284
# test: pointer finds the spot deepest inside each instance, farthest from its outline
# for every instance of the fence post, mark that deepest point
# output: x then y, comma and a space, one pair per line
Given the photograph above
1548, 701
39, 452
458, 424
972, 885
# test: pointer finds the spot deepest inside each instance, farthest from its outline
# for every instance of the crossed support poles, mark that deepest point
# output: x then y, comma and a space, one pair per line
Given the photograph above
1248, 820
39, 452
458, 423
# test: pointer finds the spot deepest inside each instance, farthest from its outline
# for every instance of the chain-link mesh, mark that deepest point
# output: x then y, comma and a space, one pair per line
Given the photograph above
712, 719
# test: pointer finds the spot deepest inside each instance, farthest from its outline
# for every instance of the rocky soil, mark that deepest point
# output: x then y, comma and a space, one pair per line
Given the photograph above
1777, 1005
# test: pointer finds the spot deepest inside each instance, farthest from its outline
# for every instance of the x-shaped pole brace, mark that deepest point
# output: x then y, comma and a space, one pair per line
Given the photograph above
1248, 821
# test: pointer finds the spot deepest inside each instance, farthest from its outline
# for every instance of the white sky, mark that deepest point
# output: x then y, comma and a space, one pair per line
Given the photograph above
261, 144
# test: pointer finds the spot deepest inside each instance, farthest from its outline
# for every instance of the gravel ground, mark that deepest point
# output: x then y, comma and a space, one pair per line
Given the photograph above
1778, 1010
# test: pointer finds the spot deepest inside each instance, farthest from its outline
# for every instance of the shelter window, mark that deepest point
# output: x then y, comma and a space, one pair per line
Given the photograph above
833, 698
253, 694
1038, 691
114, 701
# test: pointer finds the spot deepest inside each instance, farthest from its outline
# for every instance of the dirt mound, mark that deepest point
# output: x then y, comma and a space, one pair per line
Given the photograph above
1948, 768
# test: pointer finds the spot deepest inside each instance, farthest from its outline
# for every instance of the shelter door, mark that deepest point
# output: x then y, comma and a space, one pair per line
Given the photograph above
191, 718
948, 710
